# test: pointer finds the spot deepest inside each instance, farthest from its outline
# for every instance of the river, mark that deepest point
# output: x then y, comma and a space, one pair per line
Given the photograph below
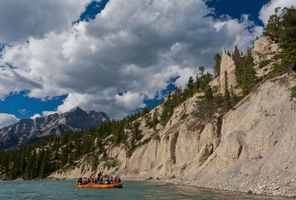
133, 190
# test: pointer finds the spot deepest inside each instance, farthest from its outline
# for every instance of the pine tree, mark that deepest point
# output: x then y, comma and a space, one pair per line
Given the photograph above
204, 81
217, 59
246, 74
227, 97
249, 74
43, 165
281, 27
274, 26
136, 131
29, 171
201, 70
189, 90
288, 37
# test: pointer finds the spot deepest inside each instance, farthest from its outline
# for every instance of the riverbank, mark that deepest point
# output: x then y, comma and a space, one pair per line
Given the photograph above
184, 183
194, 186
136, 190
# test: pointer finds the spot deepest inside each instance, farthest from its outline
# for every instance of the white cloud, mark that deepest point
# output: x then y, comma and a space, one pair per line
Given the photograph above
133, 47
46, 113
130, 100
7, 119
21, 19
37, 115
268, 9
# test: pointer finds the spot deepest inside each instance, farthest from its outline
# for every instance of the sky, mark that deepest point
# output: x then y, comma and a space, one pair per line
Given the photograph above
114, 56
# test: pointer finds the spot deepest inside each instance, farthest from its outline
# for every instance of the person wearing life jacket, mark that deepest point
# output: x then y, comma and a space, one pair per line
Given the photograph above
117, 179
92, 181
106, 180
100, 174
84, 180
101, 179
110, 179
79, 181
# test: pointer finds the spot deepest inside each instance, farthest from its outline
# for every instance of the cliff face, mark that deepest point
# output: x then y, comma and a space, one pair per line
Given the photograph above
227, 70
257, 143
250, 148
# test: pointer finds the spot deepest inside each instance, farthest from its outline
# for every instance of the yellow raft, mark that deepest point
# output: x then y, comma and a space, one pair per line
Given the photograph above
100, 186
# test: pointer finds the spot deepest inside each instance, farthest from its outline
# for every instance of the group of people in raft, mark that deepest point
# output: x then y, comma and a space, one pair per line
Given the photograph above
99, 180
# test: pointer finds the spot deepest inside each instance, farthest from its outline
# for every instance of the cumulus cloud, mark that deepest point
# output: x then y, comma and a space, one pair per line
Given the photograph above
268, 9
33, 18
133, 48
7, 119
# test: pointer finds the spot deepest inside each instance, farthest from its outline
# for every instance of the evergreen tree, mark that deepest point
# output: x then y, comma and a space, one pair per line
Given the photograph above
204, 81
274, 26
43, 165
201, 70
189, 90
281, 27
208, 106
227, 97
29, 171
217, 59
288, 37
247, 78
245, 73
136, 131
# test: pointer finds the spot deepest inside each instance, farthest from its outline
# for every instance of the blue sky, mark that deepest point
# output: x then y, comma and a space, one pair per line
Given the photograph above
24, 107
235, 8
163, 54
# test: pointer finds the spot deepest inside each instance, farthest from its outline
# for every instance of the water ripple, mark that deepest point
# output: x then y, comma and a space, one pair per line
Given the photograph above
65, 190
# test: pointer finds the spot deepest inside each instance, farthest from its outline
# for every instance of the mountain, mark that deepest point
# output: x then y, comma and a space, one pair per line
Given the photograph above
31, 130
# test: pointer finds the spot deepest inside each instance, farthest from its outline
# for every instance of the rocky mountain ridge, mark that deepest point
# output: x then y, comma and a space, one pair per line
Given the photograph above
31, 130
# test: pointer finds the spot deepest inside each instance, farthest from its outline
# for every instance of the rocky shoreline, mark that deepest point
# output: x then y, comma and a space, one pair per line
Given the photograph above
181, 183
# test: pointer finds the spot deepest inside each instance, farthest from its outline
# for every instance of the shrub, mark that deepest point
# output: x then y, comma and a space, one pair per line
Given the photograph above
264, 63
208, 106
293, 92
112, 163
184, 116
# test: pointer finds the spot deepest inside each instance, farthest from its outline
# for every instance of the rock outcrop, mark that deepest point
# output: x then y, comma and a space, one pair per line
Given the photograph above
31, 130
229, 63
264, 49
263, 54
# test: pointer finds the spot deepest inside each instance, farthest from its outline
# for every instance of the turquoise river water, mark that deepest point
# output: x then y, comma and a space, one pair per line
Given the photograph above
65, 190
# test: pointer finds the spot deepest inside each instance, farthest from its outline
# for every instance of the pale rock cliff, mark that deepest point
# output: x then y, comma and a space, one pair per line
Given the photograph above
257, 146
229, 63
164, 153
250, 148
264, 49
263, 54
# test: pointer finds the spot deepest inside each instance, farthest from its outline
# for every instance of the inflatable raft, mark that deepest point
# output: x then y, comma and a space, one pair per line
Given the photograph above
100, 186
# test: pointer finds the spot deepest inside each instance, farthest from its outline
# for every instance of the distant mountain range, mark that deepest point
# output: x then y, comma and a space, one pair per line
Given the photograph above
31, 130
